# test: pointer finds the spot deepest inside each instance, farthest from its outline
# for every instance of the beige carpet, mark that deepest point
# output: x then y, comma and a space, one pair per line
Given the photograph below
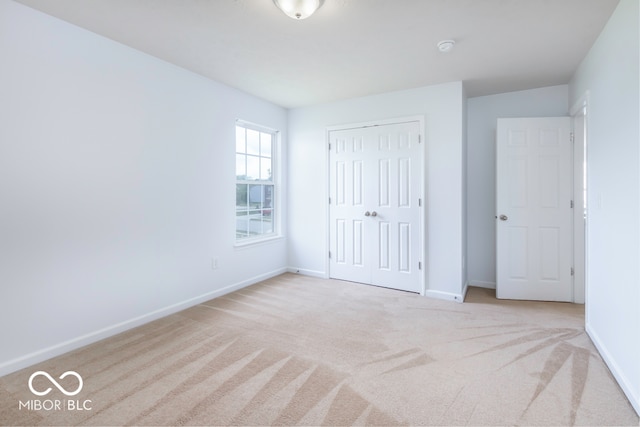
296, 350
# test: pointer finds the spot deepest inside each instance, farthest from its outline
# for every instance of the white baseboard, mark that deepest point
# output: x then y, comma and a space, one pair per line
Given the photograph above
447, 296
75, 343
305, 272
464, 291
481, 284
625, 384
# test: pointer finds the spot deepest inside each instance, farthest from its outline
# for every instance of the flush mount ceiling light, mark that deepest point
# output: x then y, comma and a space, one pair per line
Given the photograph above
298, 9
445, 46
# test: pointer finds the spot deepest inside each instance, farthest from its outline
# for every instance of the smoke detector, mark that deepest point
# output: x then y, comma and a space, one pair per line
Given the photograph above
445, 46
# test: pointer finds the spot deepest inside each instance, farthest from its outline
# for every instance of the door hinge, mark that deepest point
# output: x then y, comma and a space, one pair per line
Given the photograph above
329, 254
329, 200
572, 271
419, 138
419, 202
419, 265
571, 204
572, 137
329, 147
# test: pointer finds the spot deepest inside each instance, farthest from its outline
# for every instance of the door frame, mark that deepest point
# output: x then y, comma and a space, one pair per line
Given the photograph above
580, 116
424, 256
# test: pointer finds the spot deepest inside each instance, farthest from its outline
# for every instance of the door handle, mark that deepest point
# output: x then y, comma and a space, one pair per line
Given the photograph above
374, 213
503, 217
367, 213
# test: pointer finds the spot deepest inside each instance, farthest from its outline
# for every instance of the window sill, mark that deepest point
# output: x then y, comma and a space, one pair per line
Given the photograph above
255, 241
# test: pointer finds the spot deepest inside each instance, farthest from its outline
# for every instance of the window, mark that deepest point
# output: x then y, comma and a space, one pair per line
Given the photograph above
255, 182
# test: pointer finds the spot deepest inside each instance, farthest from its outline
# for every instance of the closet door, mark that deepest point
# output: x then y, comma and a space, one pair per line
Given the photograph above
375, 212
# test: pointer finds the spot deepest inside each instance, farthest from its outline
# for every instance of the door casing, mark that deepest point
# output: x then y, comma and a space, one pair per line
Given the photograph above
580, 114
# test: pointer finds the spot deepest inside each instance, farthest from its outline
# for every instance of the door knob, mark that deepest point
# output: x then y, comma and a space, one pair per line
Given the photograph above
503, 217
367, 213
374, 213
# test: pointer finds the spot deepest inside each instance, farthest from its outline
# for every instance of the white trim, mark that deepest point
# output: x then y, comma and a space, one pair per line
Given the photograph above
623, 381
464, 291
326, 186
311, 273
383, 122
92, 337
481, 284
580, 114
421, 119
256, 126
424, 217
447, 296
583, 101
253, 241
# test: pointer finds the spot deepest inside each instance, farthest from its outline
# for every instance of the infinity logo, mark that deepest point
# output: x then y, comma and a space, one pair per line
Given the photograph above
55, 383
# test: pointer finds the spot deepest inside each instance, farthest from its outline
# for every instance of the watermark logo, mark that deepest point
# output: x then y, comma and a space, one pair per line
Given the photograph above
55, 383
54, 404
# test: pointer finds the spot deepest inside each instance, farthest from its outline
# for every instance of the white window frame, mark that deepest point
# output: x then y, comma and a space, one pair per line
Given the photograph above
273, 181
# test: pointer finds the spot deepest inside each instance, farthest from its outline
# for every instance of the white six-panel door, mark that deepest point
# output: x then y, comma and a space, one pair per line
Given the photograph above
534, 209
375, 212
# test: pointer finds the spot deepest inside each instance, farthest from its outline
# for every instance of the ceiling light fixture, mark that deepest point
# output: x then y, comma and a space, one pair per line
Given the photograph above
298, 9
445, 46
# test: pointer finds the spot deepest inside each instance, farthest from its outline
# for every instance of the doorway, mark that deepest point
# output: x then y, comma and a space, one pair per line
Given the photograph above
375, 204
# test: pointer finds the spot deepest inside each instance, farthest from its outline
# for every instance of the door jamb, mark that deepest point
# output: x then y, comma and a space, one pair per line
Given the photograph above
581, 110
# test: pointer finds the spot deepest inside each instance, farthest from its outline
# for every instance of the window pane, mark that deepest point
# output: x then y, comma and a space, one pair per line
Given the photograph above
268, 196
256, 196
241, 196
242, 226
265, 169
253, 142
255, 223
241, 166
253, 167
267, 223
265, 144
240, 140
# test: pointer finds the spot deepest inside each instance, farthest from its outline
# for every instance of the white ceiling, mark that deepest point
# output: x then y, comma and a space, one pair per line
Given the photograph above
353, 48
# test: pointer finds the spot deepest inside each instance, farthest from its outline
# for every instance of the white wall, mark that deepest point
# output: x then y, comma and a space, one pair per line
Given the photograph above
442, 107
483, 113
116, 187
610, 73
